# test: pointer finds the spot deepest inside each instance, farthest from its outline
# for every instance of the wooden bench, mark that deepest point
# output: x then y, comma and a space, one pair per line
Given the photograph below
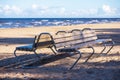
71, 42
44, 40
67, 42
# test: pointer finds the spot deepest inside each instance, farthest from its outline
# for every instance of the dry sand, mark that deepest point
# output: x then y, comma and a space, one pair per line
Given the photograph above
98, 68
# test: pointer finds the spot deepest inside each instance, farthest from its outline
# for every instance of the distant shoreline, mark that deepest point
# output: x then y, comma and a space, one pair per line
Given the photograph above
40, 22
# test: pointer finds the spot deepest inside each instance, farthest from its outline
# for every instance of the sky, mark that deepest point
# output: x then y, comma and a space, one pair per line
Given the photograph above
59, 8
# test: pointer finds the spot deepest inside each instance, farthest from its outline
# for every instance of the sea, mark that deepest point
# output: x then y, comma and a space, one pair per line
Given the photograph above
38, 22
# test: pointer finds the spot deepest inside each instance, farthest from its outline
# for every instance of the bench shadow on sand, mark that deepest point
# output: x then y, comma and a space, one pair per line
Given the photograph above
106, 67
98, 71
16, 40
114, 34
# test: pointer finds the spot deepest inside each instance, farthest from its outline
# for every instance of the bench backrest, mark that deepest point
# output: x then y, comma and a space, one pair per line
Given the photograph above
75, 37
89, 35
43, 40
67, 39
64, 39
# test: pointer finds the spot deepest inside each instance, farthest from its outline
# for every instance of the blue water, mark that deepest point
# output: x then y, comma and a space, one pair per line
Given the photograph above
37, 22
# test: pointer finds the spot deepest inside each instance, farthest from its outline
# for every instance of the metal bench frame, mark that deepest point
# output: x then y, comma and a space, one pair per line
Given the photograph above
76, 50
36, 44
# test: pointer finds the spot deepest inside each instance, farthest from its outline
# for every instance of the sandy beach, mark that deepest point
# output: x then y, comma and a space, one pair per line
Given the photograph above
98, 68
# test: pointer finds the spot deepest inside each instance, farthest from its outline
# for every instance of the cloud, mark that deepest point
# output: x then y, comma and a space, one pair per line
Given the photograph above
11, 10
39, 10
83, 13
62, 10
35, 6
17, 10
7, 9
47, 11
36, 10
38, 7
109, 10
1, 9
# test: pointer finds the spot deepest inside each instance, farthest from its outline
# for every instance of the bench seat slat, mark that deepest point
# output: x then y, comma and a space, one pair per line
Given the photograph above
90, 38
25, 48
67, 50
103, 40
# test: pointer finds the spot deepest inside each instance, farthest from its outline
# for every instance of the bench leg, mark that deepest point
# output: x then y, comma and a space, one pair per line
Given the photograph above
15, 53
37, 54
108, 49
33, 51
53, 50
76, 60
91, 54
102, 50
113, 43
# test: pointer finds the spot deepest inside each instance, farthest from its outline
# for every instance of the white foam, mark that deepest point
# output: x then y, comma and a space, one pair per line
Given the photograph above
44, 20
104, 21
8, 23
93, 21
